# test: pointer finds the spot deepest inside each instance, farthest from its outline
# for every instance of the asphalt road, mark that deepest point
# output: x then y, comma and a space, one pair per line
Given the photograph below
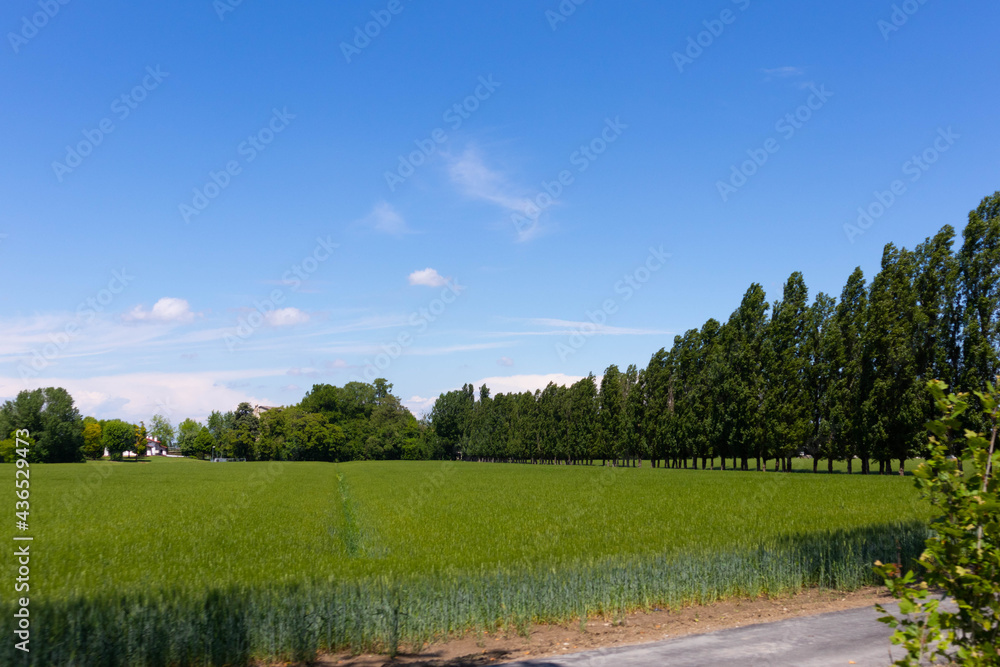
852, 637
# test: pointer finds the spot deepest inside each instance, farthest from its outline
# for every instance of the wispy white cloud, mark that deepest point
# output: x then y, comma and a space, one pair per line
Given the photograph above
505, 361
385, 219
449, 349
558, 327
781, 72
476, 180
286, 317
305, 372
168, 309
428, 278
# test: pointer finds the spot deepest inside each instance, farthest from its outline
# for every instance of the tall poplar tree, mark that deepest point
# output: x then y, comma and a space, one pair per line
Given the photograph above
787, 410
611, 416
851, 374
820, 351
748, 327
979, 266
893, 410
659, 405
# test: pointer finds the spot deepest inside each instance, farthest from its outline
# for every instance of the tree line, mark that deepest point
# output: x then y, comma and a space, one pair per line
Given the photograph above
59, 434
359, 421
833, 379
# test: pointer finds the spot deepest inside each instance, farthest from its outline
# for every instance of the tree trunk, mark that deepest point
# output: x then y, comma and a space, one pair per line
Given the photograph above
829, 465
902, 467
815, 464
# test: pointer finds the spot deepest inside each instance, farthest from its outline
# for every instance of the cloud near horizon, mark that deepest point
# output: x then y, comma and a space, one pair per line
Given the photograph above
139, 396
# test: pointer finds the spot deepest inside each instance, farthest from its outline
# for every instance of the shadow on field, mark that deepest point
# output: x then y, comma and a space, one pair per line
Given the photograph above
428, 659
296, 620
484, 658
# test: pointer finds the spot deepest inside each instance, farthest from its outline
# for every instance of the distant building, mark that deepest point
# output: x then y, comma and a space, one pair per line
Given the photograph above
153, 448
258, 410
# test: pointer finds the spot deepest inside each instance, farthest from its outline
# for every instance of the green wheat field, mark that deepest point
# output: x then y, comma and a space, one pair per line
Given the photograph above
187, 562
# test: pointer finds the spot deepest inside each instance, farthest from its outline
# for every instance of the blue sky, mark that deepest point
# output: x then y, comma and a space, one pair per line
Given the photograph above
217, 202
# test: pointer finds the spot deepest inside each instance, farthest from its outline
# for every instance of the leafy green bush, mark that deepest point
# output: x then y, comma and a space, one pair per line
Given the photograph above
961, 560
117, 437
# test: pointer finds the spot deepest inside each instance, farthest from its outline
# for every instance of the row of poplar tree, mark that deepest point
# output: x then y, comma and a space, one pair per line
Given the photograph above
837, 380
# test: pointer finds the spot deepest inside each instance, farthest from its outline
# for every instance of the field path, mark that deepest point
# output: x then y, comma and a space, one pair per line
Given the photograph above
851, 637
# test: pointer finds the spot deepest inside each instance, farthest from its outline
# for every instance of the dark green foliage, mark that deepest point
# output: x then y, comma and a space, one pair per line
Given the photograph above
893, 411
202, 444
450, 417
979, 269
850, 376
820, 350
355, 422
52, 421
188, 432
787, 417
746, 348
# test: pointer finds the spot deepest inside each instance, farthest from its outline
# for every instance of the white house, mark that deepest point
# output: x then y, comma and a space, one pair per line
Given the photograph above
153, 448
